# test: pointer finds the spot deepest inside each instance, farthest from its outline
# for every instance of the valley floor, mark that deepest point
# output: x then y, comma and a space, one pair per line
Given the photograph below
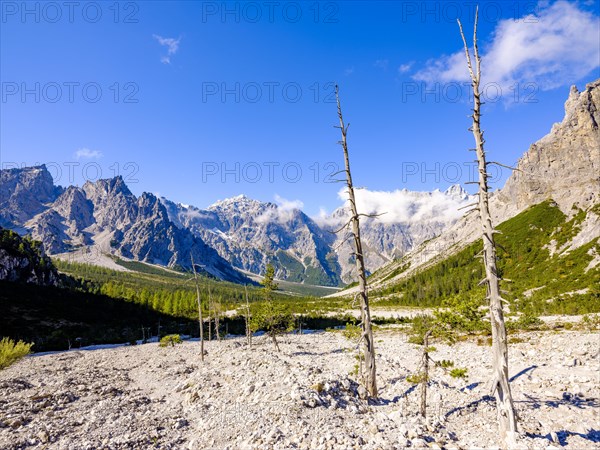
151, 397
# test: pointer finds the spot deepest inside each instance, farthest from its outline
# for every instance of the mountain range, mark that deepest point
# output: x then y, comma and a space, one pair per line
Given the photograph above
231, 239
237, 237
562, 167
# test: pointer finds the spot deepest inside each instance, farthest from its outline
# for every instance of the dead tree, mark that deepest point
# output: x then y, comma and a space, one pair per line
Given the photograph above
248, 332
199, 310
370, 373
209, 323
500, 385
425, 374
217, 316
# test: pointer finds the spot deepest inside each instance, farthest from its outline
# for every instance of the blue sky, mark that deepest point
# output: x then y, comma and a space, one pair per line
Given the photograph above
207, 100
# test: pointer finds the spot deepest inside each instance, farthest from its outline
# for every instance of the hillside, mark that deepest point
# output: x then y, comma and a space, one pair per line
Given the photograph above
238, 235
562, 168
548, 273
99, 219
22, 260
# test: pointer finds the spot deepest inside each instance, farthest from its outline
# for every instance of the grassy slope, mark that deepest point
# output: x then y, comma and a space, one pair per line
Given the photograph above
523, 258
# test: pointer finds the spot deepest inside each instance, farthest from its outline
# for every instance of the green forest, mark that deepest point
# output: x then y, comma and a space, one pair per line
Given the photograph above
94, 304
536, 281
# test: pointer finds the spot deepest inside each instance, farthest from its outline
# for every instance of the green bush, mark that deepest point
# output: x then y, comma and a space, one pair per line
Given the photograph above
458, 373
421, 324
464, 313
526, 321
11, 352
417, 378
170, 339
273, 318
590, 322
352, 332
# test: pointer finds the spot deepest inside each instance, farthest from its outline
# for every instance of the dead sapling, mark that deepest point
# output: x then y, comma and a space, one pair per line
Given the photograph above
500, 387
370, 370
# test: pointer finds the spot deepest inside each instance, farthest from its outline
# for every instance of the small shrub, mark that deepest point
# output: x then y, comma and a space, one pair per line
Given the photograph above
526, 321
275, 319
590, 322
458, 373
444, 363
352, 332
417, 378
481, 341
421, 324
11, 352
464, 313
170, 339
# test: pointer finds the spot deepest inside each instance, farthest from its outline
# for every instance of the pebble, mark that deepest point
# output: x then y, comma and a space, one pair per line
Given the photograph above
241, 398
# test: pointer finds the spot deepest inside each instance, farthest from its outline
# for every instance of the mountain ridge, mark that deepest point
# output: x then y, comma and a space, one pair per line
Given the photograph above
103, 217
563, 165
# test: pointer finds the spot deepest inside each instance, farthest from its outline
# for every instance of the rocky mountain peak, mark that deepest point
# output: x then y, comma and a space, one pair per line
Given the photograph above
564, 164
24, 192
107, 187
239, 202
73, 205
150, 204
456, 191
36, 181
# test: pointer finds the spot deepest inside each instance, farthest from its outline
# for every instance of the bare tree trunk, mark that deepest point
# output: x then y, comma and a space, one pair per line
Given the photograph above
367, 331
210, 312
199, 310
500, 385
217, 313
275, 342
248, 332
425, 374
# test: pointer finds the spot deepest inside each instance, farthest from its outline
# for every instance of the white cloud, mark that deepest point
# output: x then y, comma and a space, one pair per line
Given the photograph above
557, 46
288, 205
172, 47
283, 212
349, 71
401, 206
191, 213
329, 220
405, 67
86, 153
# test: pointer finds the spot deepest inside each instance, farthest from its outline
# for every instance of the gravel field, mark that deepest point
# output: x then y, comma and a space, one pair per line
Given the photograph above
304, 397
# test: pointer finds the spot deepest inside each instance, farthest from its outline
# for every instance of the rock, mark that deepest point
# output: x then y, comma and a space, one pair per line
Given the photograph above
403, 430
362, 392
418, 443
43, 436
180, 423
412, 433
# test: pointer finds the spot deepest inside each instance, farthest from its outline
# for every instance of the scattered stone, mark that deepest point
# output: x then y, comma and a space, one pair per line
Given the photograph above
260, 399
